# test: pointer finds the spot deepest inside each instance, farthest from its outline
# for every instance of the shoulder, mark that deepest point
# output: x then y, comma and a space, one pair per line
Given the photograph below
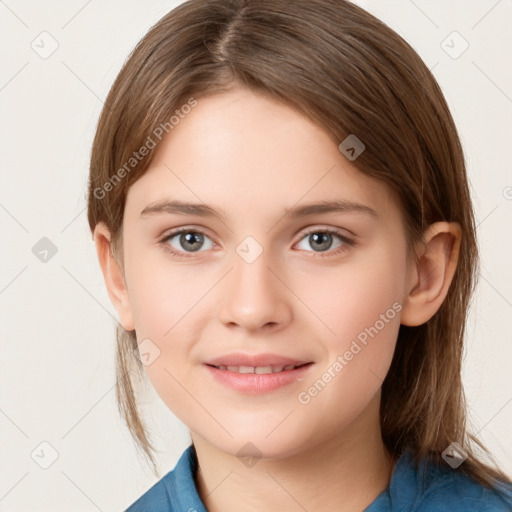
429, 487
457, 492
156, 498
175, 491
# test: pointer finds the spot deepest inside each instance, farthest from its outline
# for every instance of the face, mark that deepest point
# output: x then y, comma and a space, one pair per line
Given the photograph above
259, 283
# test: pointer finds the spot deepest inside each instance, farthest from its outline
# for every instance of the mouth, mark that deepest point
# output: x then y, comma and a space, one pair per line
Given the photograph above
260, 370
257, 374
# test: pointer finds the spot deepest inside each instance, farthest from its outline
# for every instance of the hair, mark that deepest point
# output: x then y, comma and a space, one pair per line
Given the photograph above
349, 73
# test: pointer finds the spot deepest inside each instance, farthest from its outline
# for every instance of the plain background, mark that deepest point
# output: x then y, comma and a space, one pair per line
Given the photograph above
57, 322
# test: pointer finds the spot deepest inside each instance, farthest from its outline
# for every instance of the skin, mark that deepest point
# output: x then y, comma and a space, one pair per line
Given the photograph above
254, 158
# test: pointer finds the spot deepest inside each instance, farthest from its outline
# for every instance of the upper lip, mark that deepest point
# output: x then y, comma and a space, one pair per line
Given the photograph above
255, 360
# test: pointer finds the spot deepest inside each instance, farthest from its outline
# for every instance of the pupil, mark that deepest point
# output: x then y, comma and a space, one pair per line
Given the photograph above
324, 239
191, 239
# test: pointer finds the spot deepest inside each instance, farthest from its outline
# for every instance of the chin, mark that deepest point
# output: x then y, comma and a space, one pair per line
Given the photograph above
256, 443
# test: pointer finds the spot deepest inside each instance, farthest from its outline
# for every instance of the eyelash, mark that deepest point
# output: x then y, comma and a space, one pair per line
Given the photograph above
180, 255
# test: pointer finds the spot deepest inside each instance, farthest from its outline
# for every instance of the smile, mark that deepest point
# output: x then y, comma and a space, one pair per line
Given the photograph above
258, 379
257, 369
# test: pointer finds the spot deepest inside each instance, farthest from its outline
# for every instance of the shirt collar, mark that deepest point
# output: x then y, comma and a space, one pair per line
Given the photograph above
181, 490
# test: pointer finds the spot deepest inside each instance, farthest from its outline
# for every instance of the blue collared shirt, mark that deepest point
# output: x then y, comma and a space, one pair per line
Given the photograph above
442, 490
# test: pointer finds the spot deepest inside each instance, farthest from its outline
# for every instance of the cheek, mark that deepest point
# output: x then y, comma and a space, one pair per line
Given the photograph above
354, 295
163, 294
168, 309
362, 310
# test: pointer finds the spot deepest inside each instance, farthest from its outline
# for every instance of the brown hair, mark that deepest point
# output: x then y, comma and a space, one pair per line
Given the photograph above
351, 74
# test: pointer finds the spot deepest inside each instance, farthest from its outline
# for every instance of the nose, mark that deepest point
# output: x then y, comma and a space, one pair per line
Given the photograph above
254, 296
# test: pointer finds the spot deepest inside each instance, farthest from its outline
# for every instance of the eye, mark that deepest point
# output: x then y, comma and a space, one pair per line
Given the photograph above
182, 242
186, 240
321, 240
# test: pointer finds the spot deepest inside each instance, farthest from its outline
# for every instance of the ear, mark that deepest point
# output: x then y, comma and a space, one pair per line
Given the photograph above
430, 277
114, 276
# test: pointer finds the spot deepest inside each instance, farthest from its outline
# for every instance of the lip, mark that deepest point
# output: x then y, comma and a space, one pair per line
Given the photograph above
240, 359
254, 383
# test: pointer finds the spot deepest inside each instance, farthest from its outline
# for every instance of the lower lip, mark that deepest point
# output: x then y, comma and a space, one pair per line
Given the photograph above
257, 383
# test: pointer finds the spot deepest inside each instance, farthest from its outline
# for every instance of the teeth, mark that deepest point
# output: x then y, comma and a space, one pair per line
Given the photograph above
243, 369
256, 369
263, 369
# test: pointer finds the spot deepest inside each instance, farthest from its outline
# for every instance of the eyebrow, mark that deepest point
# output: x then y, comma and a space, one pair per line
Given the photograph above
203, 210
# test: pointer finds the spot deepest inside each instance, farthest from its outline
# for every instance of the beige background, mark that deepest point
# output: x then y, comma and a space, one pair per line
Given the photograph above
57, 323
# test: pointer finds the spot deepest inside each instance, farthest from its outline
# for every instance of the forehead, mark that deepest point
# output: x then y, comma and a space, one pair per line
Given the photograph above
241, 151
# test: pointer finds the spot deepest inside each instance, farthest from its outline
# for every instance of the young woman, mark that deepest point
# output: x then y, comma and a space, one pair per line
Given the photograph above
281, 211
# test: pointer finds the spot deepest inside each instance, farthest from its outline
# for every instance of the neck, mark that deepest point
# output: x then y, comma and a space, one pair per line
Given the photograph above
344, 473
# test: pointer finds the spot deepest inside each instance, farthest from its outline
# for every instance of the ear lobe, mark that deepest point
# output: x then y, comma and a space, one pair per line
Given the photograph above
430, 277
113, 275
